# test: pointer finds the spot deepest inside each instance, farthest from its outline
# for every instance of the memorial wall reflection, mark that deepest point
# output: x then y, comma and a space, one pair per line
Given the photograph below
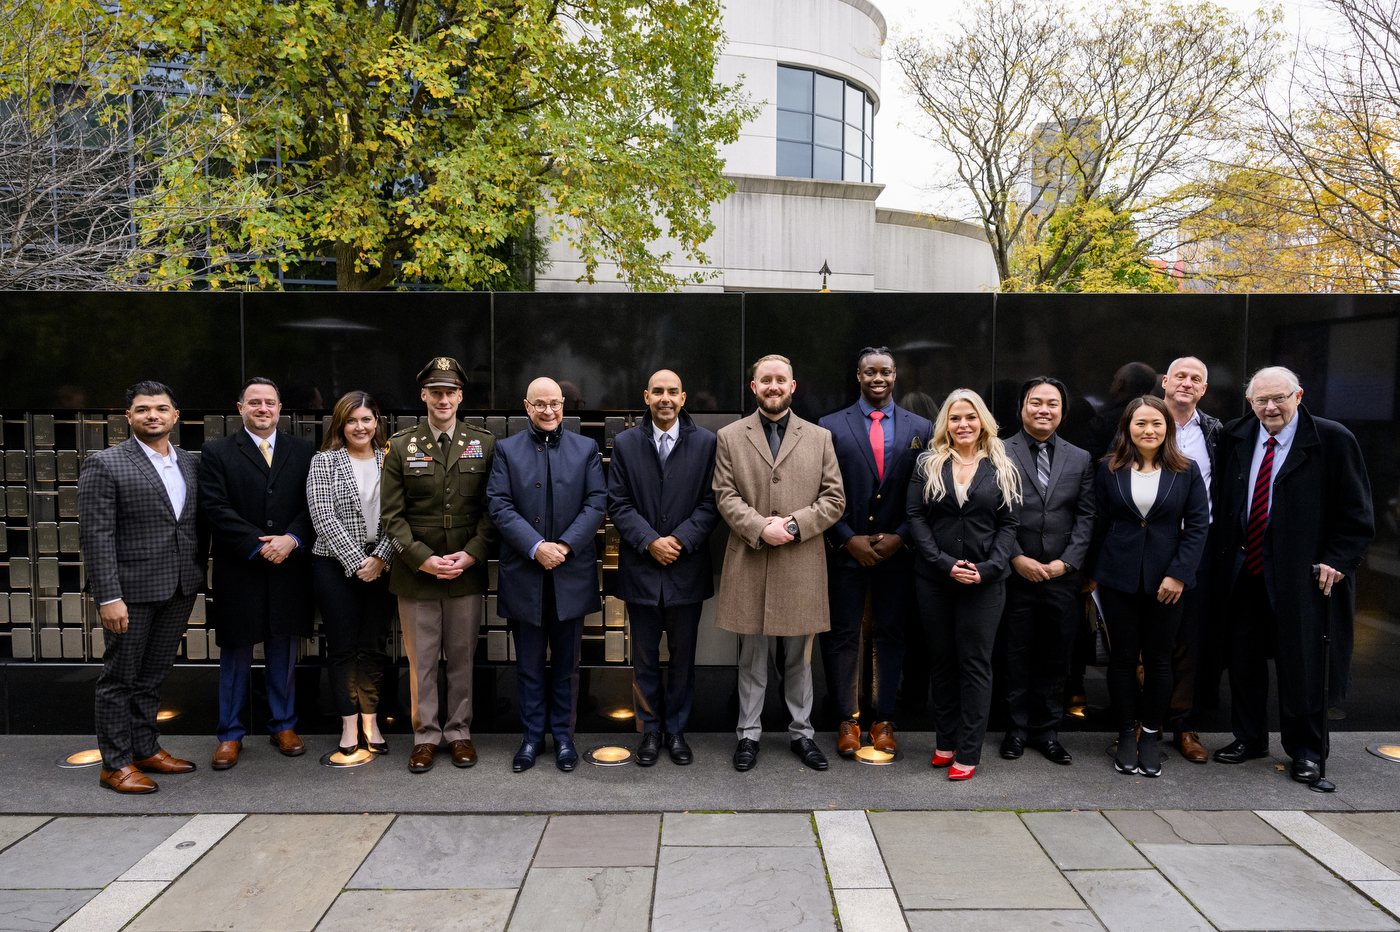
68, 353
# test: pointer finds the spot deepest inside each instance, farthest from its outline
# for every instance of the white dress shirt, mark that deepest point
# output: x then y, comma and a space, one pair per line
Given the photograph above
1192, 441
1285, 443
257, 441
674, 433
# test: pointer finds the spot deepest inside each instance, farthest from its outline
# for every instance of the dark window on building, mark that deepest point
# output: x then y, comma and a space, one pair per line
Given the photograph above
826, 127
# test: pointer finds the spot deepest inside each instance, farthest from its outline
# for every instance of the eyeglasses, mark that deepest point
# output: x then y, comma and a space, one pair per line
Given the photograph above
1266, 400
546, 405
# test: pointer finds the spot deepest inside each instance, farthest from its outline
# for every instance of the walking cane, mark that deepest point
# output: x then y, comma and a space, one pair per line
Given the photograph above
1322, 784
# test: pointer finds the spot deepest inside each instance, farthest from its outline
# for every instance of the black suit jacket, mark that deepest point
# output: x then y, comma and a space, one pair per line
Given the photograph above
982, 530
241, 499
1058, 525
134, 548
872, 506
647, 501
1321, 512
1131, 549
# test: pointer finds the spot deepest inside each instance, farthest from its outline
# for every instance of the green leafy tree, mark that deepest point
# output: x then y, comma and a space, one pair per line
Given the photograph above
432, 140
1111, 254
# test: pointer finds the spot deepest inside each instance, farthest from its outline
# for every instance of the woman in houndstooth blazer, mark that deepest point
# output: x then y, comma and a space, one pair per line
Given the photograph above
347, 564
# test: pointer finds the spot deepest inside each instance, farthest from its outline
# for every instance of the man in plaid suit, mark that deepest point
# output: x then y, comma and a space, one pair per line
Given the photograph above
144, 563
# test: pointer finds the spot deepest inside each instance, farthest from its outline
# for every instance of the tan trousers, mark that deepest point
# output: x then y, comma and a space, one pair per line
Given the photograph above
434, 628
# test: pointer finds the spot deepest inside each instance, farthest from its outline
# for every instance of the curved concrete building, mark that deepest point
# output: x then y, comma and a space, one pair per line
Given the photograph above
804, 171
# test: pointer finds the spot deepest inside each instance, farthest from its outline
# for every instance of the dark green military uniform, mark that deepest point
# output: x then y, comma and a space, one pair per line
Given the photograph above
432, 502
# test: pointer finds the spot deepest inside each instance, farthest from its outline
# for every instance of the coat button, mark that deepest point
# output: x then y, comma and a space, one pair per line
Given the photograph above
663, 517
1144, 524
269, 524
448, 505
537, 485
877, 496
537, 520
539, 449
775, 514
775, 478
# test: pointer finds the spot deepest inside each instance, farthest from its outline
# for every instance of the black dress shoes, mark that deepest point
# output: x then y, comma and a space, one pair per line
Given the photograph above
649, 751
1012, 747
680, 751
746, 754
565, 757
1053, 750
1237, 752
811, 755
1305, 771
525, 757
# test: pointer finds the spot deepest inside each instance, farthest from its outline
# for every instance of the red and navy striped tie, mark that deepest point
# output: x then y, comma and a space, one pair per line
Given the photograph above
1259, 511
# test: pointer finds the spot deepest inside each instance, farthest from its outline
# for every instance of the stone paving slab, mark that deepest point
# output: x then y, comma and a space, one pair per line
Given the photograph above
737, 830
442, 852
83, 852
585, 899
1249, 887
1376, 833
1221, 828
113, 907
869, 910
13, 828
1081, 841
1003, 920
1384, 892
1349, 861
853, 858
600, 841
741, 890
1143, 828
38, 910
187, 844
419, 911
273, 873
1137, 901
968, 860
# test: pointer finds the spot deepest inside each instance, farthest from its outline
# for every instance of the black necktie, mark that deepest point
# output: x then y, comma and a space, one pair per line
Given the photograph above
774, 441
1042, 465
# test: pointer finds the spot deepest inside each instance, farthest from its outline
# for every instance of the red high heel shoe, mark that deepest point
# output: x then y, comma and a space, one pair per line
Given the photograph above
960, 772
942, 758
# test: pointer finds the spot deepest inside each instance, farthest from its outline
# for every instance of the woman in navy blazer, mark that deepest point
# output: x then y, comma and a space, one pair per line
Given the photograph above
1149, 534
963, 526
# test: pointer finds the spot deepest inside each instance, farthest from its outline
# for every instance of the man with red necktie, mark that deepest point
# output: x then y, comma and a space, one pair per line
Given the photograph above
1293, 518
876, 444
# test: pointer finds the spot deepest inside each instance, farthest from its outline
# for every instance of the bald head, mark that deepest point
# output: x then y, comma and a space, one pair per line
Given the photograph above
544, 403
664, 398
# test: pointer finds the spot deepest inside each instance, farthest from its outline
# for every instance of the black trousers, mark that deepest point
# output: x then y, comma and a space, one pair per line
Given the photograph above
667, 710
355, 614
891, 600
1254, 640
134, 666
555, 704
1140, 626
1197, 656
960, 625
1038, 628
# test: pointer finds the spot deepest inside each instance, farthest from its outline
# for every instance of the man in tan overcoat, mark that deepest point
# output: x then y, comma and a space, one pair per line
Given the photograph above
778, 486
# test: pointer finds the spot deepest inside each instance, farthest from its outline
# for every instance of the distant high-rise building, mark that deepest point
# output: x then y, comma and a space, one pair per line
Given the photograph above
1063, 156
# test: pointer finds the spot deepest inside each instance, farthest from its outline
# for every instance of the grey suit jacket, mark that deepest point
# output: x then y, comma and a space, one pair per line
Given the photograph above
133, 546
1058, 525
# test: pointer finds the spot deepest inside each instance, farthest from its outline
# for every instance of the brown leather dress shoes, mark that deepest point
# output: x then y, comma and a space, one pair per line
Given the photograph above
161, 762
227, 754
421, 760
288, 743
1189, 744
848, 739
128, 780
882, 737
463, 753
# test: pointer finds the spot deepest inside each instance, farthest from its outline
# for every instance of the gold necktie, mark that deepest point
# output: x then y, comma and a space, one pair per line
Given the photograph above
266, 449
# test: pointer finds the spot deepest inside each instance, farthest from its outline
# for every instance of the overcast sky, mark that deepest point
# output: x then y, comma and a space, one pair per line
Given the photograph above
910, 167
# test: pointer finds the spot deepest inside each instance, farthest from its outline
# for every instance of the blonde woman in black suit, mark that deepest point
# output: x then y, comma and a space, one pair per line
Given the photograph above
964, 527
348, 563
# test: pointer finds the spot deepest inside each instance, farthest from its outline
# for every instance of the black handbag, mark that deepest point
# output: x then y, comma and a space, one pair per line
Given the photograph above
1103, 651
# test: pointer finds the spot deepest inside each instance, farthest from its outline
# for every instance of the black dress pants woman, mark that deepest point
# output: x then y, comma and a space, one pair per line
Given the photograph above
960, 626
354, 614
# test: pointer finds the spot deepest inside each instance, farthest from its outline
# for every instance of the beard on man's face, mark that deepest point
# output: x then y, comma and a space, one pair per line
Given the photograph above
775, 404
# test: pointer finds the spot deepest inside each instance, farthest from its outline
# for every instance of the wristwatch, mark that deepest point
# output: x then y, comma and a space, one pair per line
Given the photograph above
791, 528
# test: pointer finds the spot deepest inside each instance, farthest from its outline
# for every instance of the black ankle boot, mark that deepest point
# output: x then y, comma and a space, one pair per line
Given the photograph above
1149, 750
1125, 759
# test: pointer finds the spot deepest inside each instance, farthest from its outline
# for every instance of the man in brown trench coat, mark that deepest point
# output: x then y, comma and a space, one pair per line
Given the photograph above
778, 486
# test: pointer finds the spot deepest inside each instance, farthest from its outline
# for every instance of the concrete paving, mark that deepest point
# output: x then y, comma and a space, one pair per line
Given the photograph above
811, 871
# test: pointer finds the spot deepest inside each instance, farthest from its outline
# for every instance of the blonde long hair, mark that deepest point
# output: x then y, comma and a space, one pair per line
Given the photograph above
989, 445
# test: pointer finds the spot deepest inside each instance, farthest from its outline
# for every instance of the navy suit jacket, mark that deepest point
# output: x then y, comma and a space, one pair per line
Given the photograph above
872, 506
515, 497
1132, 549
647, 501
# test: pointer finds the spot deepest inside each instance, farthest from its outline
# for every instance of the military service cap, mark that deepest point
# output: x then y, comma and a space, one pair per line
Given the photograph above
442, 372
